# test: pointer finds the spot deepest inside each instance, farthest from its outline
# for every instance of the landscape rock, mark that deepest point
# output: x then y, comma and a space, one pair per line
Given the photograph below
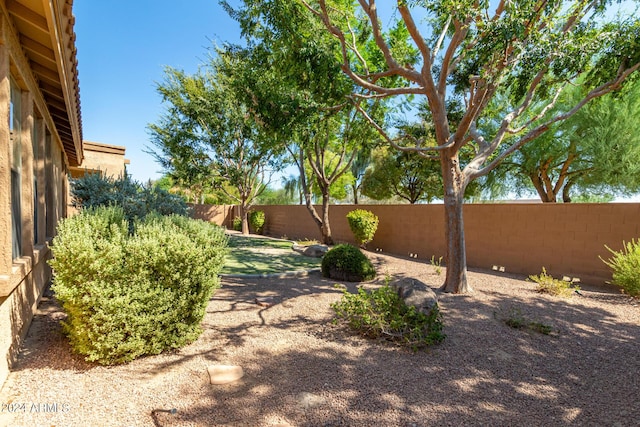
224, 374
314, 251
309, 400
415, 293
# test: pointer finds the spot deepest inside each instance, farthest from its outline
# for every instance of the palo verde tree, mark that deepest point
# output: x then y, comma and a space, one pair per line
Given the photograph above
210, 132
595, 152
529, 51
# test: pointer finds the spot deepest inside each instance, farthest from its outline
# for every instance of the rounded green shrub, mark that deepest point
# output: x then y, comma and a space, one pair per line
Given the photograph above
237, 223
256, 220
132, 294
346, 262
626, 267
381, 313
363, 225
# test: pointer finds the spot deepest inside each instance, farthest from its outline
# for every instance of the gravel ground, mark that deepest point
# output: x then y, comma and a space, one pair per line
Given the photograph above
301, 370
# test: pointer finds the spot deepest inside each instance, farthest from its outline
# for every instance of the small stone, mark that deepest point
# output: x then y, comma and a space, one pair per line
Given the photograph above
224, 374
265, 302
309, 400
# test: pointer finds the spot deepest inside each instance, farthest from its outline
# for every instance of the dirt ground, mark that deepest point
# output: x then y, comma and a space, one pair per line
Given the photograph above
303, 370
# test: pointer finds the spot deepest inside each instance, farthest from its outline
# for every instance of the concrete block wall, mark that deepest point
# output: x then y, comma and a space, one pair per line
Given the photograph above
566, 239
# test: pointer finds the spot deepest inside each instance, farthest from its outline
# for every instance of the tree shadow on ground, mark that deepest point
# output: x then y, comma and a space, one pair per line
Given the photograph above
587, 374
315, 373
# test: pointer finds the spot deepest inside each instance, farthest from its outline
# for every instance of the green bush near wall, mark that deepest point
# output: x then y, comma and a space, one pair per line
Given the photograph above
256, 220
132, 294
363, 225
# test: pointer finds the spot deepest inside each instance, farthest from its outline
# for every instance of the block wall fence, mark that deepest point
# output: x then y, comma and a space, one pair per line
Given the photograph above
567, 239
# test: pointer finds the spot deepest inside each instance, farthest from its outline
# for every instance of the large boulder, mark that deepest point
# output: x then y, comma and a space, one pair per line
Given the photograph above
415, 293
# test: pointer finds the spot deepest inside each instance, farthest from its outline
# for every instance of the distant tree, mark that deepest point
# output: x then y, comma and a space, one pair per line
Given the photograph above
595, 152
529, 51
359, 168
210, 134
403, 175
275, 196
292, 187
299, 91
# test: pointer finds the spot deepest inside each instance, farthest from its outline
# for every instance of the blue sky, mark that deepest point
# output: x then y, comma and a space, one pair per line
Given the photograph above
123, 47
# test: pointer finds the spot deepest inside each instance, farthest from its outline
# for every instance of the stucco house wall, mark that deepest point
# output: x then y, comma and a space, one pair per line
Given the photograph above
101, 158
40, 140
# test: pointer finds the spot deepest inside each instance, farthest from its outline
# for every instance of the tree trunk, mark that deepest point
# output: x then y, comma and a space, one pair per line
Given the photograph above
455, 257
325, 229
244, 214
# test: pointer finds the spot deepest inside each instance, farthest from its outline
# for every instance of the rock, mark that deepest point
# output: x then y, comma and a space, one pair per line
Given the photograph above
309, 400
266, 301
224, 374
415, 293
314, 251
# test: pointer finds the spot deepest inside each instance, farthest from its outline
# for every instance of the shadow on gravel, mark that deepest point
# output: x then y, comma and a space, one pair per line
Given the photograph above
485, 373
587, 374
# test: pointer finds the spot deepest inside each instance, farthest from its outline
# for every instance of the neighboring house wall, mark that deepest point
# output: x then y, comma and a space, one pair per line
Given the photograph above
103, 158
40, 139
567, 239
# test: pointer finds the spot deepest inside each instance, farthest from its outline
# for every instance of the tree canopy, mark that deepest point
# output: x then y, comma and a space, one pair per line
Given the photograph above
529, 52
210, 134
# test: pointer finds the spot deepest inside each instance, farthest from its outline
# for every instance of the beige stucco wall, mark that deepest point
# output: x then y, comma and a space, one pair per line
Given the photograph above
104, 158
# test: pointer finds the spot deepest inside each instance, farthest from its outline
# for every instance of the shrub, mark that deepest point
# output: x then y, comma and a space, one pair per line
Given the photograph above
626, 267
363, 225
346, 262
548, 285
516, 320
136, 201
256, 220
382, 313
128, 295
237, 223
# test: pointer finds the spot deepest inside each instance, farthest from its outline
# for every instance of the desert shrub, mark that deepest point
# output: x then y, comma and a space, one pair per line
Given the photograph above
136, 200
132, 294
626, 267
346, 262
549, 285
256, 220
381, 313
516, 320
363, 225
237, 223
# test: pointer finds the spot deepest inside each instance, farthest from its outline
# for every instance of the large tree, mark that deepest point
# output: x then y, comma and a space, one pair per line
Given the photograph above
298, 90
529, 51
209, 133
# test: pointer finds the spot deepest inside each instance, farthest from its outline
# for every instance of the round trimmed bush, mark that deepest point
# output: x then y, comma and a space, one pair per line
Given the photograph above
346, 262
363, 225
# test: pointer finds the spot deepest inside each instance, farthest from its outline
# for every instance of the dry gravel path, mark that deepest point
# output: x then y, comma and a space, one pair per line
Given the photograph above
301, 370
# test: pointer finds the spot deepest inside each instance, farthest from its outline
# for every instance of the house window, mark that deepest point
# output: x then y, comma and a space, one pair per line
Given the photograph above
16, 171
